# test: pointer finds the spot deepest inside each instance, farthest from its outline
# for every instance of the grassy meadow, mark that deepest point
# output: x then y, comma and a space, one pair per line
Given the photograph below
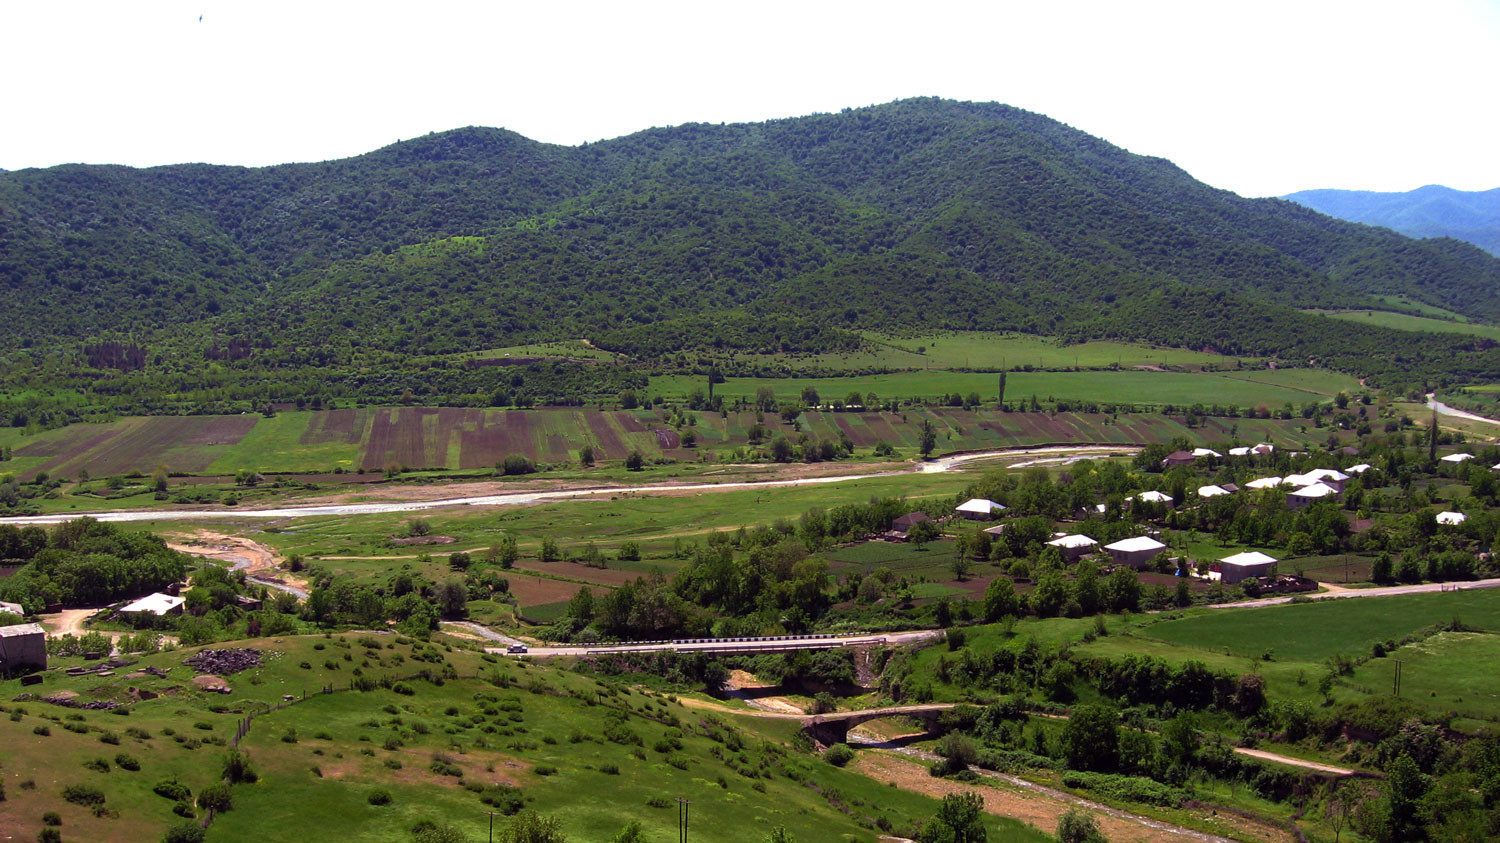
1408, 322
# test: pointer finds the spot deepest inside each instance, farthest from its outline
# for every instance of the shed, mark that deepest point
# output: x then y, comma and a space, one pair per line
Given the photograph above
13, 608
1206, 452
1136, 552
1233, 569
1242, 451
1452, 519
22, 645
1457, 458
978, 509
1212, 491
248, 603
155, 604
1074, 546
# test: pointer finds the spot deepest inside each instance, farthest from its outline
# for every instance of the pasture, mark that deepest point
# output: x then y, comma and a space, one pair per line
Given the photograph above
460, 439
1272, 388
1409, 322
995, 351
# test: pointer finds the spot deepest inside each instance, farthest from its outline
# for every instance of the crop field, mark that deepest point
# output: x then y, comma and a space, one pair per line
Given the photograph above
1247, 388
500, 723
1312, 632
1408, 322
454, 438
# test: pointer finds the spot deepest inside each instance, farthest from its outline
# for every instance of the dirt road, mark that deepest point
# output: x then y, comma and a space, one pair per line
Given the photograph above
1339, 593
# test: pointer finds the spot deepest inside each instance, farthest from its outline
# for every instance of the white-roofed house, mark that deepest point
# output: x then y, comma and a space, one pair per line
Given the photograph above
1233, 569
1178, 458
13, 608
1152, 497
1264, 483
979, 509
1298, 498
155, 604
1242, 451
1359, 469
1137, 552
1212, 491
1452, 519
1262, 449
1073, 547
1206, 452
1457, 458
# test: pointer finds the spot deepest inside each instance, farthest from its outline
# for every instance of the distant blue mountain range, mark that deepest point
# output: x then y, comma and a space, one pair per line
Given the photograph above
1431, 211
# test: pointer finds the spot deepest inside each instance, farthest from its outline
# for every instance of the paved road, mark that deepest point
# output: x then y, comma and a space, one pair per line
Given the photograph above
1386, 591
760, 645
523, 498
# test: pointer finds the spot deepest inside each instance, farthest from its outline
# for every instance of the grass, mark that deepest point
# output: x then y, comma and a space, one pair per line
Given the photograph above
1450, 671
495, 722
1136, 388
986, 350
276, 441
1408, 322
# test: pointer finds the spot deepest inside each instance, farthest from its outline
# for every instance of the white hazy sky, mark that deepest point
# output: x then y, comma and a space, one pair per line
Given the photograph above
1260, 98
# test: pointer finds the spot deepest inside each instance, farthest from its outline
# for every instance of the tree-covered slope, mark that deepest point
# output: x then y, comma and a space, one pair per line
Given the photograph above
919, 213
1431, 211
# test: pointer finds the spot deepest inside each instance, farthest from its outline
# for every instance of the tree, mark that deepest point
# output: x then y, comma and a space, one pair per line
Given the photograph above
549, 551
961, 567
959, 819
1001, 399
633, 832
586, 456
1000, 600
507, 552
1404, 788
1079, 826
922, 532
531, 827
779, 834
929, 438
634, 462
1091, 740
453, 600
1051, 594
582, 605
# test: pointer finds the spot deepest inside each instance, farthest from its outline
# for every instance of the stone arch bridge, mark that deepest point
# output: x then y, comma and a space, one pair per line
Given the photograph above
829, 729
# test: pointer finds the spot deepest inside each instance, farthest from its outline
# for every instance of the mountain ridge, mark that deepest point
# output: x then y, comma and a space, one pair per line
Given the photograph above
1429, 211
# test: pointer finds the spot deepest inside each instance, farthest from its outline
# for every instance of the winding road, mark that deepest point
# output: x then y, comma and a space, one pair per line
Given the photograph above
1445, 410
1050, 453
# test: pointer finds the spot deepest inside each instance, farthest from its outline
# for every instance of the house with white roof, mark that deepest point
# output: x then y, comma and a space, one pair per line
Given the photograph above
1241, 566
1298, 498
1137, 552
1206, 452
1457, 458
154, 604
1452, 519
1262, 449
1359, 469
12, 608
979, 509
1152, 497
1242, 451
1074, 546
1264, 483
1212, 491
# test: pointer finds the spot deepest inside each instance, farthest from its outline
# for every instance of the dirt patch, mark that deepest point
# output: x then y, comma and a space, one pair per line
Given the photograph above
424, 540
241, 554
744, 686
535, 591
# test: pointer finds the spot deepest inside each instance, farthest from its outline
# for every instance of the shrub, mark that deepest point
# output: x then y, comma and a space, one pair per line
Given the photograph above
49, 835
173, 789
98, 765
127, 762
216, 797
184, 833
41, 730
544, 770
82, 794
51, 818
379, 797
838, 755
237, 768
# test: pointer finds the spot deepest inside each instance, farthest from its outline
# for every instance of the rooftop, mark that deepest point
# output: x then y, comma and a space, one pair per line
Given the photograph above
21, 629
1133, 545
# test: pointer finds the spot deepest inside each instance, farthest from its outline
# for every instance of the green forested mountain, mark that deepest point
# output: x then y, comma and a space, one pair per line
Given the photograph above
1431, 211
773, 236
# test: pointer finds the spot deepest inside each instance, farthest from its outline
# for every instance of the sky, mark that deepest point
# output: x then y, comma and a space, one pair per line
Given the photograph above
1261, 98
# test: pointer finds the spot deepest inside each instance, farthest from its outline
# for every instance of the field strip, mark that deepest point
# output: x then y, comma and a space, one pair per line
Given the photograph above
525, 498
1349, 593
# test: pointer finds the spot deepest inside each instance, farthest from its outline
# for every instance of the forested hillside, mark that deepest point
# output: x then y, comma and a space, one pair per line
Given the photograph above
779, 236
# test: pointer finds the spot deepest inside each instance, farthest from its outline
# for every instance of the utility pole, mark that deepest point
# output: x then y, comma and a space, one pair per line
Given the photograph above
492, 825
1397, 679
682, 819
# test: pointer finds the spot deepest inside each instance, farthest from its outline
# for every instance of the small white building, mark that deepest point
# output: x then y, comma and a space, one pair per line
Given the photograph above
23, 645
1152, 497
1073, 547
1206, 452
13, 608
1298, 498
1211, 491
1241, 566
1137, 552
1457, 458
1452, 519
154, 604
1264, 483
979, 509
1359, 469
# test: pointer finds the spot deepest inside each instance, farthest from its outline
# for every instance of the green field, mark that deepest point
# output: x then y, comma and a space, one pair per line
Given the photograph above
986, 350
1408, 322
1138, 388
1450, 671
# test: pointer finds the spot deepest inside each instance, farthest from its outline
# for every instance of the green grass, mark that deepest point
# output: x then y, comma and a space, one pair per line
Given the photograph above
1450, 671
276, 441
1123, 387
558, 349
1408, 322
1312, 632
985, 350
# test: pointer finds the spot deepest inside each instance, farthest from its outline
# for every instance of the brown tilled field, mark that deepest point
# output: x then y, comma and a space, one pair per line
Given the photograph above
535, 591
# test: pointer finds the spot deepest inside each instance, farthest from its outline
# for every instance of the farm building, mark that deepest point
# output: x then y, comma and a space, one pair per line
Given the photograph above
1233, 569
154, 604
1178, 458
1452, 519
1264, 483
1136, 552
901, 526
1073, 547
248, 603
979, 509
1457, 458
997, 530
1152, 497
13, 608
1298, 498
22, 645
1212, 491
1206, 452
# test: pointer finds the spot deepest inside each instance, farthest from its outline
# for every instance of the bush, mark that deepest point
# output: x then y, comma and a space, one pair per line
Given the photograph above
82, 794
1128, 788
838, 755
127, 762
184, 833
173, 789
98, 765
237, 768
216, 797
379, 797
49, 835
51, 818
